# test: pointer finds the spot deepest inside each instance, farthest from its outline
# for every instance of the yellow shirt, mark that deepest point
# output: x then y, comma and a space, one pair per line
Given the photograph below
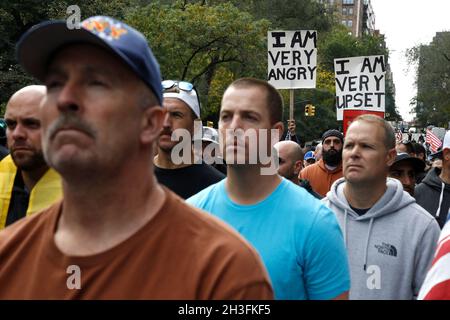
47, 190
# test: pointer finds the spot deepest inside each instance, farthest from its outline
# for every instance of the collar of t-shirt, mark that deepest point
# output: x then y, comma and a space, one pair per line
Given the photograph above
360, 212
330, 168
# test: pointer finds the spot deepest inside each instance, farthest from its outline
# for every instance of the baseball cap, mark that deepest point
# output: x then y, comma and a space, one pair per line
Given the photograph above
446, 143
37, 45
190, 98
210, 134
417, 164
309, 155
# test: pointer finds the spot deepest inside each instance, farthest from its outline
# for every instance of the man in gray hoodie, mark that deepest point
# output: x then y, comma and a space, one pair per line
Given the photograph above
390, 239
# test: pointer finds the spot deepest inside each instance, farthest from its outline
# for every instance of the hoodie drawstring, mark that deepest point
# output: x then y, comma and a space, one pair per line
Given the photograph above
438, 212
345, 227
366, 249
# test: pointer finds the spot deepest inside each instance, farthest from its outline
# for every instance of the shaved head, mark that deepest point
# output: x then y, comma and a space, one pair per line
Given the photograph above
291, 149
33, 94
290, 157
23, 133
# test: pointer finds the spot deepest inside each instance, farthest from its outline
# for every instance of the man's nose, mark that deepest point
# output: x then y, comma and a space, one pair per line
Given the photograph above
68, 98
18, 132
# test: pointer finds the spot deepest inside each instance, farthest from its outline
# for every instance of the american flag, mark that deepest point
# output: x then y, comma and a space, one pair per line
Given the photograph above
437, 282
433, 140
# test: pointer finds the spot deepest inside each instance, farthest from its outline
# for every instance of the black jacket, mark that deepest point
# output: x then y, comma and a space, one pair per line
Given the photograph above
428, 195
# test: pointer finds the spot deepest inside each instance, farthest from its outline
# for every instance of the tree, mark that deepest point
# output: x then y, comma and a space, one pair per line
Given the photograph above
192, 41
16, 17
432, 103
339, 44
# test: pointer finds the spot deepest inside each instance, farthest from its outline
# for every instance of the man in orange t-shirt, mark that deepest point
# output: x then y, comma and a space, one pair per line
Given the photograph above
327, 170
117, 234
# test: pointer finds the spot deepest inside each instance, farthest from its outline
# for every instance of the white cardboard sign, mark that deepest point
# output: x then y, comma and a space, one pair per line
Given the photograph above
292, 59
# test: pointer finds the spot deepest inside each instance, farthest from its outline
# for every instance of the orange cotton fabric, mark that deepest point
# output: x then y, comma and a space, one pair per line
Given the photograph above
182, 253
320, 178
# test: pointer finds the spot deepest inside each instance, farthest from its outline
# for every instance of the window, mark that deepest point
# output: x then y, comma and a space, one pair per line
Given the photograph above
348, 23
350, 11
348, 2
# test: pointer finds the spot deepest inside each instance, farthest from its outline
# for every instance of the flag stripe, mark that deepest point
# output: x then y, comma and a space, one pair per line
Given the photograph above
441, 291
433, 140
439, 272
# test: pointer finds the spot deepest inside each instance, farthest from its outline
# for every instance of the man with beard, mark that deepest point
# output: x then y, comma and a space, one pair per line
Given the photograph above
117, 233
327, 170
27, 184
182, 110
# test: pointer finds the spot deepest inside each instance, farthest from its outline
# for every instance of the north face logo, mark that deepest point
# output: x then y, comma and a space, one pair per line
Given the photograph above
386, 248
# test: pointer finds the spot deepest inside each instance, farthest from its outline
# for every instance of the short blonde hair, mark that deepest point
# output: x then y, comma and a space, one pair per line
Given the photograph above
389, 135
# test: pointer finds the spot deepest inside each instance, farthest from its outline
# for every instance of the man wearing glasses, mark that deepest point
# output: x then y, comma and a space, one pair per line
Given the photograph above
181, 172
117, 234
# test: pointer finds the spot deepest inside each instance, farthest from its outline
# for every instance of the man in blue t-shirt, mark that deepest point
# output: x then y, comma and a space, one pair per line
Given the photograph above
297, 236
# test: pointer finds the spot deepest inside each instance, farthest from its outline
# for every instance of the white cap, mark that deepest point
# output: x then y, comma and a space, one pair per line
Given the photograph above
211, 135
446, 144
190, 98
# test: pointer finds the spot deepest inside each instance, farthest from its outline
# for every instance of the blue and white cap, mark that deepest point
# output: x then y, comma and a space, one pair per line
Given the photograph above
38, 44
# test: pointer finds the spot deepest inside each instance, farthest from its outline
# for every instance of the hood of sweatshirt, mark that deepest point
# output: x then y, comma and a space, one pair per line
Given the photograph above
433, 181
393, 200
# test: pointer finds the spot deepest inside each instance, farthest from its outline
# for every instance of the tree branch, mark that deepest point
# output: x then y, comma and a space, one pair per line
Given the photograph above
212, 65
446, 57
188, 62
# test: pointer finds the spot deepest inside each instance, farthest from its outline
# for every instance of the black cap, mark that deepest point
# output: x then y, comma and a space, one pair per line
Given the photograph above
333, 133
417, 164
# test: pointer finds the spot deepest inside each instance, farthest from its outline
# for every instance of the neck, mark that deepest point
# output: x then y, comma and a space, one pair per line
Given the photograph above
294, 179
30, 178
245, 184
102, 212
363, 196
164, 160
445, 175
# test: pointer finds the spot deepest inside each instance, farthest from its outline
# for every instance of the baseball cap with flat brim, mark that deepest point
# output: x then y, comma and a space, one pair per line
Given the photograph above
417, 164
36, 47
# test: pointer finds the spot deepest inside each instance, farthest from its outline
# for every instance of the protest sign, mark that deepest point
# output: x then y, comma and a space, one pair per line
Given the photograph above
351, 115
360, 84
292, 59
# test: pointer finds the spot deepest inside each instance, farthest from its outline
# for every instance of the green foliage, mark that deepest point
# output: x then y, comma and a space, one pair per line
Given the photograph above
16, 17
192, 41
208, 42
433, 81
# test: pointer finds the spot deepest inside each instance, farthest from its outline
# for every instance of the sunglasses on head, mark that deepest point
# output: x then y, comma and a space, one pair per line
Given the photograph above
180, 85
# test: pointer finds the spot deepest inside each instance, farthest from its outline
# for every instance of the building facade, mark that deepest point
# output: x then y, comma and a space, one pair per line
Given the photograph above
357, 15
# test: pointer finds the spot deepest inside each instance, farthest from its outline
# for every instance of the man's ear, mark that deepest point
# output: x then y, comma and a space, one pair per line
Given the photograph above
298, 166
392, 154
446, 154
280, 127
152, 123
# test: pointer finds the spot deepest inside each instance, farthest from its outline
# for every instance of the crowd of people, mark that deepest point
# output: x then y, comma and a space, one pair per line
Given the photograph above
96, 203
